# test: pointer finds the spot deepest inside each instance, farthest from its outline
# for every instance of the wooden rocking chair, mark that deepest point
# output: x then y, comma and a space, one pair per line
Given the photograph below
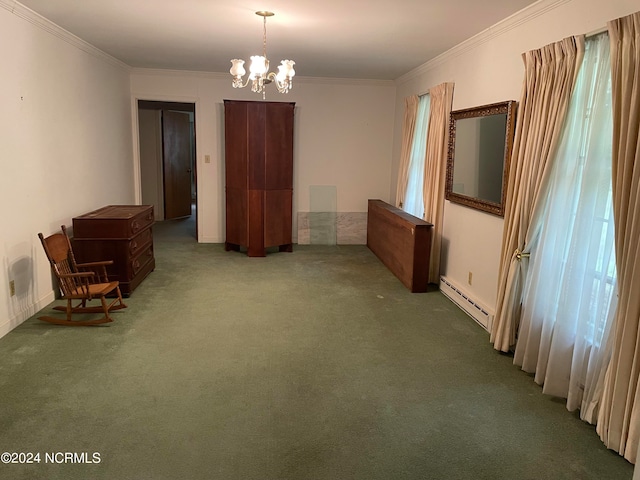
79, 281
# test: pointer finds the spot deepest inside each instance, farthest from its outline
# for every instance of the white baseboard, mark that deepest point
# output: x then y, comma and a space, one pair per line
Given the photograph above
204, 239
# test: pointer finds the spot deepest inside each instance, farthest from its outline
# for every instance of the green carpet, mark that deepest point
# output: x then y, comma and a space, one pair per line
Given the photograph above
316, 364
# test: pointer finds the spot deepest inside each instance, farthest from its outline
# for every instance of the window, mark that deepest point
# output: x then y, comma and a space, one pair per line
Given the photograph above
414, 197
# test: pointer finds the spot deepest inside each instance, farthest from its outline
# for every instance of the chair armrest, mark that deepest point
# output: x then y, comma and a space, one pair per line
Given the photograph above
77, 275
100, 269
95, 264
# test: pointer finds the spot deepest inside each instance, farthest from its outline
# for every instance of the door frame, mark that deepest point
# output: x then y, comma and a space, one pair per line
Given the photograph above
186, 104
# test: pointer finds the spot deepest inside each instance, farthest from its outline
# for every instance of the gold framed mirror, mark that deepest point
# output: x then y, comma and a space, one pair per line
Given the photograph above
480, 144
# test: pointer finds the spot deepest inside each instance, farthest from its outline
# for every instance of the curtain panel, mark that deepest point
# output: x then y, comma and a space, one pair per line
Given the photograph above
408, 127
435, 170
550, 74
619, 415
570, 290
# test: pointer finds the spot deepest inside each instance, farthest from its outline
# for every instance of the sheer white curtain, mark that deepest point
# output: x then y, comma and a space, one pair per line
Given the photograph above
408, 127
550, 75
413, 199
569, 294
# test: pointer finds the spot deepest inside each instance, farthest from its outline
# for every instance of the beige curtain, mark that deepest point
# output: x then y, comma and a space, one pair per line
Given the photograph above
550, 74
435, 169
619, 415
408, 127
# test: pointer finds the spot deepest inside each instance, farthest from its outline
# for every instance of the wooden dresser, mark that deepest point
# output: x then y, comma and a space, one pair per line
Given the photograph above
121, 233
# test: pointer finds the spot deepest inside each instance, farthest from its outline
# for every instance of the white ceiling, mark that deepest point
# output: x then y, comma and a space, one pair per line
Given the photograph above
374, 39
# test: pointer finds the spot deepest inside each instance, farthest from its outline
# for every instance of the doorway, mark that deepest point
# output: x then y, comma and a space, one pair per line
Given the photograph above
168, 161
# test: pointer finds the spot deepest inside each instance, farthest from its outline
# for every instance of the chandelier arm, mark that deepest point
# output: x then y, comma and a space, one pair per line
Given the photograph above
239, 83
283, 87
272, 77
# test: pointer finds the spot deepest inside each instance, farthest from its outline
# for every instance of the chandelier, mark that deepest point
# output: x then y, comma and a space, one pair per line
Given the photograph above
259, 74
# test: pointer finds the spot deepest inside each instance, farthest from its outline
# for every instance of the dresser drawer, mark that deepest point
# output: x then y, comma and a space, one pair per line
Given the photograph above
128, 286
113, 222
139, 242
137, 263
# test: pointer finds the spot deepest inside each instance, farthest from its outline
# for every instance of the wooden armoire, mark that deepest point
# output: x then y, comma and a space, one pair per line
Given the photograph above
258, 175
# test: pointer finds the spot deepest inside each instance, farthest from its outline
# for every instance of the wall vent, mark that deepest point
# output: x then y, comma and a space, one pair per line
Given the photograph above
482, 315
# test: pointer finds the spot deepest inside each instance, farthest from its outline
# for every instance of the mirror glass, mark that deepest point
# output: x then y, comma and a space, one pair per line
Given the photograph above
480, 141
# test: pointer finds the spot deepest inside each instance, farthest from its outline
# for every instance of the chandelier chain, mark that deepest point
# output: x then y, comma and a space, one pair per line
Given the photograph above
264, 37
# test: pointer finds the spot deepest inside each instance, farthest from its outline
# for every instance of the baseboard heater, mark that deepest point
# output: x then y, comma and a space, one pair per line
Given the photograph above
481, 314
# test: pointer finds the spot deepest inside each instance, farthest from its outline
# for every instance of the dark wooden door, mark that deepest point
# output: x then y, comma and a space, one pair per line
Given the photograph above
176, 143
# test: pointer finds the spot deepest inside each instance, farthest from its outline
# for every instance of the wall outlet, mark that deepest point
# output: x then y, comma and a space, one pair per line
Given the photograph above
470, 279
12, 288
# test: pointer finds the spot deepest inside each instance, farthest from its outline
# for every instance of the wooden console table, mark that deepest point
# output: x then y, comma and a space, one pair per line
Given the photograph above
121, 233
402, 242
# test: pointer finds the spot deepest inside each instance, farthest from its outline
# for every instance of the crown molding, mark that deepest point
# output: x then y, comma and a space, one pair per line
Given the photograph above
162, 72
523, 16
48, 26
225, 76
347, 81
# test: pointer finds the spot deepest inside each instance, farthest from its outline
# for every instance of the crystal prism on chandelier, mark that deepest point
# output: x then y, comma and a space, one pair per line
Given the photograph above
259, 74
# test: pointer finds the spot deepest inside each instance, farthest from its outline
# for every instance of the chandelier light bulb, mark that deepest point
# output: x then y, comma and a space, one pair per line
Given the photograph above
259, 65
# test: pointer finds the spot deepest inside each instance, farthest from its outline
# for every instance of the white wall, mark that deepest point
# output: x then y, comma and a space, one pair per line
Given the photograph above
488, 69
343, 136
65, 147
